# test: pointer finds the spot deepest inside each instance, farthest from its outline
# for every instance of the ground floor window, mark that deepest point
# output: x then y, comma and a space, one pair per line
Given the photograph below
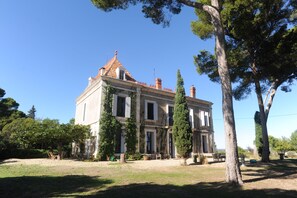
119, 142
171, 145
204, 144
150, 142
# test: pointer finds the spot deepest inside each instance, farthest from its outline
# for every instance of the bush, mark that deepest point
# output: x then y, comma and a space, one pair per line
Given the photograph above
135, 156
23, 153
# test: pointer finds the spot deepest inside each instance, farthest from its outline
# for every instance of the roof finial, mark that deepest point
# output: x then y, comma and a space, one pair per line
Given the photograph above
116, 53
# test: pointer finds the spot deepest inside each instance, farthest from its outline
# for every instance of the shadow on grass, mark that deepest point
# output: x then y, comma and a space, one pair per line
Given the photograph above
285, 169
7, 161
50, 186
214, 189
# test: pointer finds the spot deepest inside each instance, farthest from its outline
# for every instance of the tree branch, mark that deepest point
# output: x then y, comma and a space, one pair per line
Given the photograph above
201, 6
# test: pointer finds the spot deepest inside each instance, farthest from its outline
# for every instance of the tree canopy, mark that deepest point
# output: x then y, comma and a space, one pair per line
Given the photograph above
261, 49
31, 112
159, 11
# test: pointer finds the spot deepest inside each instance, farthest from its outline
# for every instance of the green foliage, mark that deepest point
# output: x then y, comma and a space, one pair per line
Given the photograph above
20, 132
294, 140
203, 27
281, 145
31, 113
158, 11
241, 152
26, 133
258, 131
24, 153
8, 110
109, 126
182, 132
258, 36
131, 128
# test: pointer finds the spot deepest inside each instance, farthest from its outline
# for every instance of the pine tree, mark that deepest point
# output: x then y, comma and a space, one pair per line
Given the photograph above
258, 130
31, 113
182, 132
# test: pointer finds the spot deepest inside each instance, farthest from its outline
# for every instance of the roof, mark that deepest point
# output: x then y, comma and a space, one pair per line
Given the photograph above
109, 69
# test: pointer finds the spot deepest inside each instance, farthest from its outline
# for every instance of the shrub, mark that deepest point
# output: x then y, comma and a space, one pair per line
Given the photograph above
23, 153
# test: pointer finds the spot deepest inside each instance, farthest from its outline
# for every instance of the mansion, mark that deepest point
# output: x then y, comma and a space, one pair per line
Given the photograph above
153, 108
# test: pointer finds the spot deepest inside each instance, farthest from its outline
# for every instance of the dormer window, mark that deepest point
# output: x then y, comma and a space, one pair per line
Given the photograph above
121, 73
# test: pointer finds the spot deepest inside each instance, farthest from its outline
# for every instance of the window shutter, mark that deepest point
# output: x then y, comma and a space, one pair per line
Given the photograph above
128, 107
118, 72
114, 105
202, 118
155, 111
207, 118
192, 118
145, 110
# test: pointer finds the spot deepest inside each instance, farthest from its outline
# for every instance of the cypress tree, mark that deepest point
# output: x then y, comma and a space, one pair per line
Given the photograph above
258, 131
182, 132
31, 113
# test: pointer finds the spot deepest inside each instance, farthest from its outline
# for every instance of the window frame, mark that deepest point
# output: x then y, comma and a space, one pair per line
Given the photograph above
153, 131
155, 110
127, 111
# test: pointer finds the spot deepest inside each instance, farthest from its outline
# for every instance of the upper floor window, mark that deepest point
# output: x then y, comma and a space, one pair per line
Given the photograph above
204, 118
121, 73
151, 110
121, 106
170, 110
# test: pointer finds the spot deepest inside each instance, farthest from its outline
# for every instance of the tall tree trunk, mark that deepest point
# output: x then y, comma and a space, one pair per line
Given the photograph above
265, 151
233, 173
272, 92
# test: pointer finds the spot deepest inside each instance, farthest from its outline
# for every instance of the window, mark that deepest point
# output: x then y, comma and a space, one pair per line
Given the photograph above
170, 111
120, 72
121, 106
151, 112
119, 142
122, 75
150, 142
204, 144
204, 118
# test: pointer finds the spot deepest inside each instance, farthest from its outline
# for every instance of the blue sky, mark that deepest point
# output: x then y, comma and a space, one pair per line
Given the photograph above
48, 49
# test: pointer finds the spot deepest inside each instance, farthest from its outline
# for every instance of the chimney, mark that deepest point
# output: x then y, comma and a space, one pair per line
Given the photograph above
158, 83
193, 92
102, 70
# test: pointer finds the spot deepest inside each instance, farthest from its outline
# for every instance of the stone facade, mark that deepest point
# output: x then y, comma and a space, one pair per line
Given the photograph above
154, 112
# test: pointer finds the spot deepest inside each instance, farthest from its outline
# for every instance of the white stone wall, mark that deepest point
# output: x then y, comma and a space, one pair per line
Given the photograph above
91, 100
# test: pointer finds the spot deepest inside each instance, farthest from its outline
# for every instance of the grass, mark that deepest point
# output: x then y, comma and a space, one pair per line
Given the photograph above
276, 179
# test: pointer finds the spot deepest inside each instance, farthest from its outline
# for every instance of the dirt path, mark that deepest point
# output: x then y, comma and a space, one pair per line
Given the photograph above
140, 164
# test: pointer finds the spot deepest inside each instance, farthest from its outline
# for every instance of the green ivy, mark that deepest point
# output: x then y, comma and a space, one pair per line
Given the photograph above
131, 128
109, 125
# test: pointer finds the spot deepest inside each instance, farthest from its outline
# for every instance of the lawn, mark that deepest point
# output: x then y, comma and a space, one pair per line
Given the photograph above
276, 179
